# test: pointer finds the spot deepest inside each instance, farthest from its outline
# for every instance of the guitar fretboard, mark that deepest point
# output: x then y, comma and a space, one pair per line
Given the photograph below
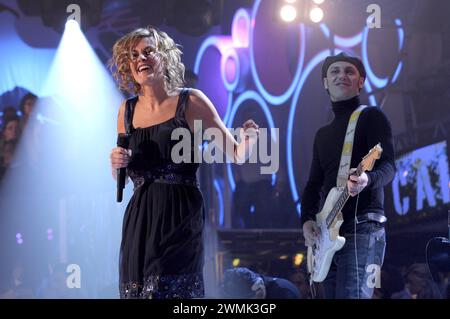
341, 200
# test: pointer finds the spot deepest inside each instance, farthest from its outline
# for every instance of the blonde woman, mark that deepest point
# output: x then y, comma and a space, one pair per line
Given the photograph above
161, 253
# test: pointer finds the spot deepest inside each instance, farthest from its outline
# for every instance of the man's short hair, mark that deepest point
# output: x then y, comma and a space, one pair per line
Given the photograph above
344, 58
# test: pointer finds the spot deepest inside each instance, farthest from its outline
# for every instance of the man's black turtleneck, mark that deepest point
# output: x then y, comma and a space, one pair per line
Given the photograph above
372, 128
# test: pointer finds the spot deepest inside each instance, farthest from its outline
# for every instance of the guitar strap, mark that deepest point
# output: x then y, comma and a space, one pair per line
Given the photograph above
347, 148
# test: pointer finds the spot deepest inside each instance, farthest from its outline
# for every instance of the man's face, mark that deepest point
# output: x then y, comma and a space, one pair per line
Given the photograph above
343, 81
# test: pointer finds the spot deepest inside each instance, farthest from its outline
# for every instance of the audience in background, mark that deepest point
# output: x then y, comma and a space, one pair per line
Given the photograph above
242, 283
18, 285
12, 126
7, 113
419, 284
26, 107
9, 137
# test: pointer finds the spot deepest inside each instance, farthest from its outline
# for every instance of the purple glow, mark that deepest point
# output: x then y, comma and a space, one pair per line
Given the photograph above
208, 68
223, 43
230, 69
50, 234
18, 235
241, 28
20, 241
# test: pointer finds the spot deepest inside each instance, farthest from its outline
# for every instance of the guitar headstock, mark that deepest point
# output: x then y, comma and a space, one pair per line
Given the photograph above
368, 161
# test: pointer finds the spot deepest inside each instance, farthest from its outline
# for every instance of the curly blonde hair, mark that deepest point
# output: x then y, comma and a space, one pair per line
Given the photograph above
166, 48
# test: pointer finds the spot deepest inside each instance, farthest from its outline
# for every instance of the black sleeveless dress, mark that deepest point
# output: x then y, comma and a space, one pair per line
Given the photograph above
161, 254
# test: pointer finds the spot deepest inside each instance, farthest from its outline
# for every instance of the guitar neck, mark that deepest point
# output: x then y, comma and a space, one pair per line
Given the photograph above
338, 207
342, 200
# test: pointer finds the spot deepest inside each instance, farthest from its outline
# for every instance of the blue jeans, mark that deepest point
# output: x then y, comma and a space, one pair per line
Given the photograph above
354, 273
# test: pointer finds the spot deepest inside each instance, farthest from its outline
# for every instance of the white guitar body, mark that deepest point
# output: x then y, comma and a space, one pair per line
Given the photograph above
330, 219
321, 253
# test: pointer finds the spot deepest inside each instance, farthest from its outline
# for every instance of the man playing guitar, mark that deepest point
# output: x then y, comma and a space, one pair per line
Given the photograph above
355, 268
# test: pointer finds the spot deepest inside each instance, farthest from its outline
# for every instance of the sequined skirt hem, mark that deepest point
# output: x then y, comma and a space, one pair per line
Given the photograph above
185, 286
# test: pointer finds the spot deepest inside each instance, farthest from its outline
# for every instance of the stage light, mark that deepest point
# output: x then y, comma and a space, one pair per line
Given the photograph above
53, 13
70, 135
290, 1
316, 15
283, 257
288, 13
71, 24
236, 262
298, 259
304, 11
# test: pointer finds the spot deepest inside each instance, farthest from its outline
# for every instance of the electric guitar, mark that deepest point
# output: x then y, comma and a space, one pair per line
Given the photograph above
330, 219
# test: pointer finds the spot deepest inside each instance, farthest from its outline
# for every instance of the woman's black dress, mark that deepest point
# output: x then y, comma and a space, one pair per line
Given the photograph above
161, 254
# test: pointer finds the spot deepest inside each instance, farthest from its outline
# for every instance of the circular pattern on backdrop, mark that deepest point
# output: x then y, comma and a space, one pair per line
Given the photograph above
249, 95
270, 53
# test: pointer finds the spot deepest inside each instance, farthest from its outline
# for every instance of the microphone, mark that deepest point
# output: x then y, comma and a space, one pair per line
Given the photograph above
123, 140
